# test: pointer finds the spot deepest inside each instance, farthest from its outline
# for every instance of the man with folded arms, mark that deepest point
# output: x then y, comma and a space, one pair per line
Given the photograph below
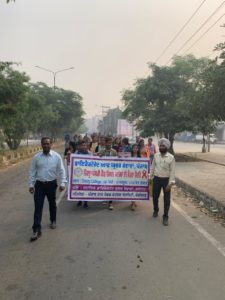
46, 167
163, 175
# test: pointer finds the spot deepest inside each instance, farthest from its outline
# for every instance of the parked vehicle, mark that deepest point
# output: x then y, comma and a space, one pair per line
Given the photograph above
199, 138
185, 137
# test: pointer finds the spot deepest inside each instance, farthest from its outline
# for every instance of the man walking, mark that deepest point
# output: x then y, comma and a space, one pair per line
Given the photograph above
45, 168
163, 175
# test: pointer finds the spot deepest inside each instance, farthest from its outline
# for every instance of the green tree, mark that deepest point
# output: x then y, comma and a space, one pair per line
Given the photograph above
63, 110
13, 104
155, 102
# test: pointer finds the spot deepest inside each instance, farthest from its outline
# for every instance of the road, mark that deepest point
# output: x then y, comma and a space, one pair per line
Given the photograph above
101, 255
195, 147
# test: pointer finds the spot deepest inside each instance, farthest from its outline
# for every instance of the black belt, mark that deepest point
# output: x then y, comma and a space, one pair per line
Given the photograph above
46, 182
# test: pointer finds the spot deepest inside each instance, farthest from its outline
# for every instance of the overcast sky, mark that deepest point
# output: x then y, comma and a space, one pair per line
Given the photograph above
108, 42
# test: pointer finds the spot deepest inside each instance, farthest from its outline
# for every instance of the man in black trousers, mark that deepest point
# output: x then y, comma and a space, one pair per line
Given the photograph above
163, 175
46, 167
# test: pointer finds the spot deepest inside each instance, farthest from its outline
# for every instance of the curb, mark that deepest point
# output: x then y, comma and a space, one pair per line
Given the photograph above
209, 201
12, 157
195, 158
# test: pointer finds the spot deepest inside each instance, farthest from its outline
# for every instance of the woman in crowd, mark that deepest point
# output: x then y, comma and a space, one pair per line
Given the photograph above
143, 150
117, 144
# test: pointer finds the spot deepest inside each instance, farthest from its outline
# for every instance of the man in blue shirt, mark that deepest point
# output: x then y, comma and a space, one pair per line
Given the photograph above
46, 167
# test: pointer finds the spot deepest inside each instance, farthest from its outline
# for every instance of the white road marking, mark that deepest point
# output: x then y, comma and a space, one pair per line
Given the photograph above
200, 229
61, 195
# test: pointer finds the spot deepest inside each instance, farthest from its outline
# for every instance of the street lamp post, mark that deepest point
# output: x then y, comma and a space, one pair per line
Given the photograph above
54, 73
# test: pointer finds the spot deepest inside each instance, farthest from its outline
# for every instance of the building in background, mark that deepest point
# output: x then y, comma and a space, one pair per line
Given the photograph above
92, 124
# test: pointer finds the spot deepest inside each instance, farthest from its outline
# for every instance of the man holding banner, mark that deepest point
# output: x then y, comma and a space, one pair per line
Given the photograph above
163, 176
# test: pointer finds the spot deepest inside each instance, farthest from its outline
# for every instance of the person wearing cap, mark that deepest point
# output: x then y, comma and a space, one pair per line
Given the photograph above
163, 175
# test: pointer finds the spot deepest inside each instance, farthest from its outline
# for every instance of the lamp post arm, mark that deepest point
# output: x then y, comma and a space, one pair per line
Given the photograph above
63, 70
45, 69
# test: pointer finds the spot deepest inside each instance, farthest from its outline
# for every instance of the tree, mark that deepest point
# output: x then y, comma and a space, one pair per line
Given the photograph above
63, 110
13, 104
155, 102
27, 108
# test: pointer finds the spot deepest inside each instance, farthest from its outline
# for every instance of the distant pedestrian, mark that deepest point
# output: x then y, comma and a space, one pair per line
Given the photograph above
151, 148
46, 167
163, 175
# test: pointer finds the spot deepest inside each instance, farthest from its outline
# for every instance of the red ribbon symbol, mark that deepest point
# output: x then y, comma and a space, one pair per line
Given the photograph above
144, 174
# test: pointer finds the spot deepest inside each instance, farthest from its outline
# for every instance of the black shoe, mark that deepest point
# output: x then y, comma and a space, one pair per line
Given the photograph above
85, 205
52, 225
79, 203
35, 236
165, 221
155, 214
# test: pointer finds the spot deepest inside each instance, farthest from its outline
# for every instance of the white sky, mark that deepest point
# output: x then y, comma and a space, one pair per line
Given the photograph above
109, 42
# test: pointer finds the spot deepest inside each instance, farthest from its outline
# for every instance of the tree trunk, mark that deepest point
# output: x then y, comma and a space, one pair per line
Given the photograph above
208, 142
171, 139
203, 146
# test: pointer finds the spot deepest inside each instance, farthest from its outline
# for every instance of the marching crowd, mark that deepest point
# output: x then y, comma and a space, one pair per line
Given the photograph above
104, 146
47, 166
96, 145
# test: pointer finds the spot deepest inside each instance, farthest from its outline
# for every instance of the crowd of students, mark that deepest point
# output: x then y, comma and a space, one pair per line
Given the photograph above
104, 146
96, 145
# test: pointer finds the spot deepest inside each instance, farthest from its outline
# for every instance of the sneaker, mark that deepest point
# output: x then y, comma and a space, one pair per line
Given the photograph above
85, 205
165, 221
35, 236
155, 214
110, 206
79, 203
52, 225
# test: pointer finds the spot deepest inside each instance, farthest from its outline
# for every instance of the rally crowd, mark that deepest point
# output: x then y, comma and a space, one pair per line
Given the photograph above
104, 146
47, 166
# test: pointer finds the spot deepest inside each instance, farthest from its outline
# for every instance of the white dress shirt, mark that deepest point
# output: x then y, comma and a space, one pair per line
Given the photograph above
163, 166
47, 168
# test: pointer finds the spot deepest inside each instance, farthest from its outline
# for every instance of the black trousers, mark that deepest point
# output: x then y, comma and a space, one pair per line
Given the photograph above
158, 185
43, 189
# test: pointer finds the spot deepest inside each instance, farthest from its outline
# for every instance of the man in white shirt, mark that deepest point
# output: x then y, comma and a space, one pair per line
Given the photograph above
46, 167
163, 175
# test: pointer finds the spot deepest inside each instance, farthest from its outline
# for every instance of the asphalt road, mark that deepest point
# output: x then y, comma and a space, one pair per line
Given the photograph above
102, 255
195, 147
181, 147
